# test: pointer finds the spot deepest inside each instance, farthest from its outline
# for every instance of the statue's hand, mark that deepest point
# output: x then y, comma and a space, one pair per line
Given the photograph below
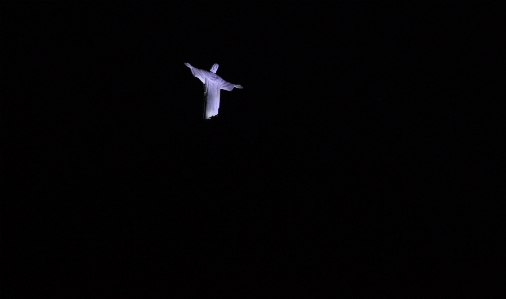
188, 65
238, 86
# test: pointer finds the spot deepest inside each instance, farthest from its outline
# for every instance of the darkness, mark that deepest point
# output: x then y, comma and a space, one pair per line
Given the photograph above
360, 157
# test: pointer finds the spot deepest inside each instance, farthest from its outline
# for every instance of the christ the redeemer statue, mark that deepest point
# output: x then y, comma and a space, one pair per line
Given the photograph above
212, 86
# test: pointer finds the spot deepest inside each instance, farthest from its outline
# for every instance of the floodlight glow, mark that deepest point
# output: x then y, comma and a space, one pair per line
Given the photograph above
212, 86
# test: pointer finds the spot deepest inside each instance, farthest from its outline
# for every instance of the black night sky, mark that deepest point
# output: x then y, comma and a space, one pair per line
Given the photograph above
358, 159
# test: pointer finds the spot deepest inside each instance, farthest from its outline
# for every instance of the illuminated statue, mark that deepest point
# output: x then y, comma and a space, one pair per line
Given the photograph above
212, 85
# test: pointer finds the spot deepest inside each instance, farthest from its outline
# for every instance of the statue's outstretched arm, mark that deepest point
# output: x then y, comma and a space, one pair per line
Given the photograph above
196, 72
229, 86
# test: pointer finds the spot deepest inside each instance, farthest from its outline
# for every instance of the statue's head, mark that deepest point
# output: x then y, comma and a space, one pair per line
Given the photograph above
214, 68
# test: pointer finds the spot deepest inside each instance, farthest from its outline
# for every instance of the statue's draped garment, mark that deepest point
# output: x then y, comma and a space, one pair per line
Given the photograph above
212, 86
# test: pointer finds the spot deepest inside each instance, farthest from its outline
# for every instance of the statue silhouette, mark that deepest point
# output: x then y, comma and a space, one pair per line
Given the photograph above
212, 86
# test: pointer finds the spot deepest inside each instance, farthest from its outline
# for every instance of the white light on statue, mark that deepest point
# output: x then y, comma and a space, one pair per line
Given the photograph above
212, 86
